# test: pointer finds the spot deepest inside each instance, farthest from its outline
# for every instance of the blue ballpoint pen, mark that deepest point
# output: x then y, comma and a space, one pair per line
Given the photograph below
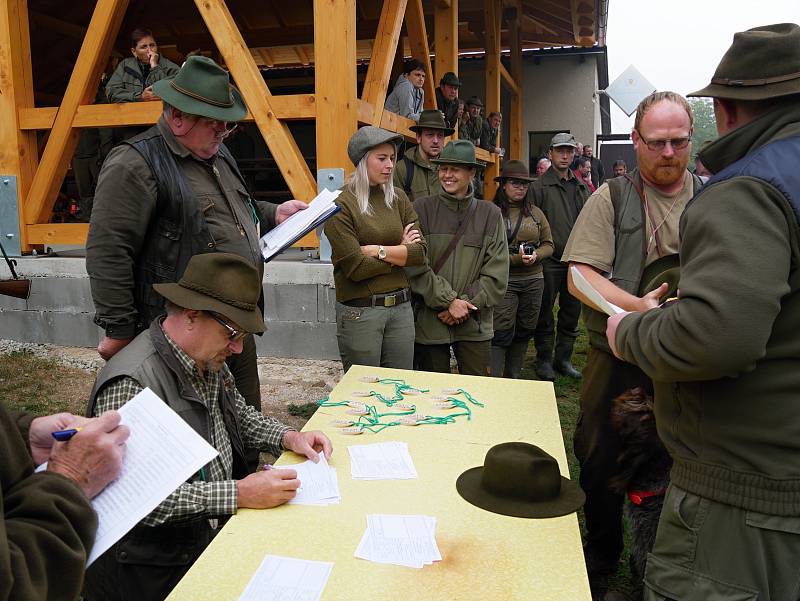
65, 435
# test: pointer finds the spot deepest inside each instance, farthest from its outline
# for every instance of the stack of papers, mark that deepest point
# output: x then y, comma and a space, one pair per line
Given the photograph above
381, 461
403, 540
280, 578
319, 484
298, 225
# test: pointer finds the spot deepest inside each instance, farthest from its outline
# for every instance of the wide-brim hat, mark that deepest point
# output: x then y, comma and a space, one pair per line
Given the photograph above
202, 88
763, 62
458, 152
474, 101
664, 269
432, 119
223, 283
367, 138
520, 480
514, 170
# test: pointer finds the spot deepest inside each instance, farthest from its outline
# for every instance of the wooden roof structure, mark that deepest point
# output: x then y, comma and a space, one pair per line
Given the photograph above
52, 54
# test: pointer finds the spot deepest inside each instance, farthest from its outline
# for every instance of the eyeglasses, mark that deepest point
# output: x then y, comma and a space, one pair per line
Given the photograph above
229, 126
659, 145
519, 183
234, 335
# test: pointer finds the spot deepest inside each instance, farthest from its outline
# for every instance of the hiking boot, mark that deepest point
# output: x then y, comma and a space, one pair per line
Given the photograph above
565, 368
544, 371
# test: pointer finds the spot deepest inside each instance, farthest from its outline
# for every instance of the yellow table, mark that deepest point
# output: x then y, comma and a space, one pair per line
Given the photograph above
485, 556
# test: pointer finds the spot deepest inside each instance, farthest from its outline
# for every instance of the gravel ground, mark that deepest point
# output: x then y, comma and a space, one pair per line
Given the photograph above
283, 381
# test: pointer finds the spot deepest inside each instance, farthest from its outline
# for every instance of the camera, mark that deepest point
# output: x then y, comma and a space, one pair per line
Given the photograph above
529, 247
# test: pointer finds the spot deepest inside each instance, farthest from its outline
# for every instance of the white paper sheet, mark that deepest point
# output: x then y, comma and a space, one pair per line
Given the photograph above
381, 461
161, 453
319, 484
287, 579
298, 224
582, 284
406, 540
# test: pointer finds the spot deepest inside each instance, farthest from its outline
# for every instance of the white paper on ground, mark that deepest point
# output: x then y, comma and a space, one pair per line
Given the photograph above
319, 484
287, 579
381, 461
161, 453
406, 540
582, 284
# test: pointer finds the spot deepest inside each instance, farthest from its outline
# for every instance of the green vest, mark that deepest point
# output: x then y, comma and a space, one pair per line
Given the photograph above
630, 250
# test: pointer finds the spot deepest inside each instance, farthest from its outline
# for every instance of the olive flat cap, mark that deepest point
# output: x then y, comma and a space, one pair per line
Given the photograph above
367, 138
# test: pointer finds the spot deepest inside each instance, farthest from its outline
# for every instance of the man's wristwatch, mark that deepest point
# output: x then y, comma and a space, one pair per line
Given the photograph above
381, 252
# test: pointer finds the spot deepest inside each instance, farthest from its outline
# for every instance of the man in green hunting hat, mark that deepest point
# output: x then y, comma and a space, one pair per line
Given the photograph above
415, 173
725, 357
465, 272
447, 98
170, 193
181, 358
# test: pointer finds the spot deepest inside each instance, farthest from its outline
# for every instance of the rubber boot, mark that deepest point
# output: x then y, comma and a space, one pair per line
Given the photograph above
563, 359
515, 358
497, 361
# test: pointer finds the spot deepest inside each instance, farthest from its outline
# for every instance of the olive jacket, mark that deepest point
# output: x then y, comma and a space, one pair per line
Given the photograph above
424, 176
130, 78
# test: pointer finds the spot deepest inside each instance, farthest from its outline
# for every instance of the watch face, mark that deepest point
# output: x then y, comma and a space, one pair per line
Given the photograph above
381, 253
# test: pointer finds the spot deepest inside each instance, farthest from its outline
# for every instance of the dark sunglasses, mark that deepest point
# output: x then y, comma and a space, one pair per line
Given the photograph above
234, 335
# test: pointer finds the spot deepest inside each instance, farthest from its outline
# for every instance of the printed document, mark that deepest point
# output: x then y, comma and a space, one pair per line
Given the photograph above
288, 579
404, 540
381, 461
319, 484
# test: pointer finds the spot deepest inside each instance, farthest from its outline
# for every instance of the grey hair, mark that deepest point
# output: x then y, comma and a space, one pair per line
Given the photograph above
358, 185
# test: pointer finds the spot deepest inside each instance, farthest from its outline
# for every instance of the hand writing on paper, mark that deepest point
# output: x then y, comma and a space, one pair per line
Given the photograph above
41, 430
266, 489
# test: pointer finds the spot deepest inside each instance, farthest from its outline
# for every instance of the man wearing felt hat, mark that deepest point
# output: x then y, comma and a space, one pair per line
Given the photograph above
414, 173
465, 273
181, 358
623, 242
447, 98
170, 193
725, 357
472, 128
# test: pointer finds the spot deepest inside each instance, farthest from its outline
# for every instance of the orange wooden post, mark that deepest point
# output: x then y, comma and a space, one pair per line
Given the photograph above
418, 40
383, 52
516, 127
492, 11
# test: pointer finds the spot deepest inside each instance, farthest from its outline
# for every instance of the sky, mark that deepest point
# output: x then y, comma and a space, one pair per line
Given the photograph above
677, 44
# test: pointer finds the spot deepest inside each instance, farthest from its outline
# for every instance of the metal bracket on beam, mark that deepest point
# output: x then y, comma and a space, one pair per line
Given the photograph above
9, 215
327, 179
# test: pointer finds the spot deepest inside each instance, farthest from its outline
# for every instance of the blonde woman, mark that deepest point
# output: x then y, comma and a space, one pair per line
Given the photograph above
374, 236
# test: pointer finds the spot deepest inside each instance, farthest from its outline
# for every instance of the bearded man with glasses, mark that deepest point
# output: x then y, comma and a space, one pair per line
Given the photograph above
625, 243
167, 194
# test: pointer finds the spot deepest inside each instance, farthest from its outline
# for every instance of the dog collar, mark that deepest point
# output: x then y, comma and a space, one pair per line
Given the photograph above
637, 497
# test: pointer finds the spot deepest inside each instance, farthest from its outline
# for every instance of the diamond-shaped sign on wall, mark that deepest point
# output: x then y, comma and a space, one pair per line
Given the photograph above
629, 89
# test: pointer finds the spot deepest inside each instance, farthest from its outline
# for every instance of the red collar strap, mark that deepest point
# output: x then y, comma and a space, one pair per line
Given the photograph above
637, 497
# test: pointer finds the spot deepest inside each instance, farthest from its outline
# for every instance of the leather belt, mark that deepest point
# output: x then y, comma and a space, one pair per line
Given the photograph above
390, 299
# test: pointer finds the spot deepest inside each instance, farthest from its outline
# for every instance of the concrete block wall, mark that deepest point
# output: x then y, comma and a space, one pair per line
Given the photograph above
299, 296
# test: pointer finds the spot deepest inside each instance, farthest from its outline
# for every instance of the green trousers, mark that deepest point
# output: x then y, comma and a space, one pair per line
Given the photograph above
472, 357
708, 551
378, 336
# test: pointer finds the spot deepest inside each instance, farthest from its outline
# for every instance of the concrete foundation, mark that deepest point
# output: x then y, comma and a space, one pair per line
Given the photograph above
299, 297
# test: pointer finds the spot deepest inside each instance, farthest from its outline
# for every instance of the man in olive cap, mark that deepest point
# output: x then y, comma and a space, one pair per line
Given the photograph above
466, 269
447, 98
560, 196
414, 173
725, 357
181, 358
170, 193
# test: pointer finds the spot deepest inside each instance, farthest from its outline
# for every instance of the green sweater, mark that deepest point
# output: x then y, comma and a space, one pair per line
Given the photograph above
725, 358
534, 229
358, 276
48, 524
476, 271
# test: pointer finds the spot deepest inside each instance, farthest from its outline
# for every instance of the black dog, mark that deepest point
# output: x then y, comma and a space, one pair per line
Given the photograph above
643, 475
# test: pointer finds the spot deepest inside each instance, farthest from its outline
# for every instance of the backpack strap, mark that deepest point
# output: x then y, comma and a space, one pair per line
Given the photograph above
409, 175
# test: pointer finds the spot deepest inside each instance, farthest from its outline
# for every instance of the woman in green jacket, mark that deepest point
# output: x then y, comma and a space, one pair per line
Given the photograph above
374, 235
133, 79
529, 242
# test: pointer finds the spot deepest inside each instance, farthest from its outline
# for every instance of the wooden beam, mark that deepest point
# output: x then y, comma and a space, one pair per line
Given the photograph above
383, 50
289, 107
65, 28
445, 33
492, 12
18, 151
58, 233
83, 82
516, 126
509, 80
276, 134
418, 40
582, 13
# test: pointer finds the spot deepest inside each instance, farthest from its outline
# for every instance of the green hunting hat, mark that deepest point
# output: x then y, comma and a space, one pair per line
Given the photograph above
450, 79
220, 282
202, 88
520, 480
458, 152
475, 101
367, 138
563, 139
664, 269
432, 119
514, 170
763, 62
